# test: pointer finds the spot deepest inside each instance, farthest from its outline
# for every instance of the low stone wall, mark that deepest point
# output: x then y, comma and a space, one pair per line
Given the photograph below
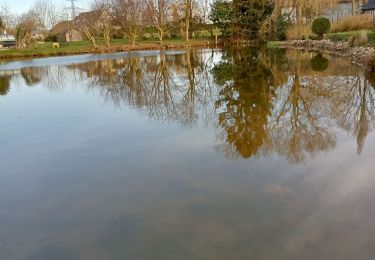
358, 55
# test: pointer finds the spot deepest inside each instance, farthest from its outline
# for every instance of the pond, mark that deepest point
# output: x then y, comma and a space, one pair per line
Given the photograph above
202, 154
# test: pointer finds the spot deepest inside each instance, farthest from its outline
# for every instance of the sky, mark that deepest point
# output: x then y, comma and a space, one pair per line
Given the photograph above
20, 6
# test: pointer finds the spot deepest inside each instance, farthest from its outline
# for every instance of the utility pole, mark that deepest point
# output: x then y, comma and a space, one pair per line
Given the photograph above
73, 8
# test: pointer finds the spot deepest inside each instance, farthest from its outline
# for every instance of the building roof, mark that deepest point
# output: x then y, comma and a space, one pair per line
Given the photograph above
88, 18
369, 6
91, 16
61, 27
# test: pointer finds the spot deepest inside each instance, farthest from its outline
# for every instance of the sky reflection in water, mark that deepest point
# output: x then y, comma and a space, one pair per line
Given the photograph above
234, 154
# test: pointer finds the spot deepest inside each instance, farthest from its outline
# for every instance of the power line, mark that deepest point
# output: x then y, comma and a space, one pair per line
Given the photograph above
73, 8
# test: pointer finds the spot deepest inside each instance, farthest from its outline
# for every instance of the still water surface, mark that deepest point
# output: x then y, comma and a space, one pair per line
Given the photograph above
209, 154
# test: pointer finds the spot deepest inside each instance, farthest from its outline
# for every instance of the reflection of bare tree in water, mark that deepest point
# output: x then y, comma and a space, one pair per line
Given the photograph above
132, 82
166, 87
52, 77
265, 109
189, 97
32, 76
177, 88
110, 77
162, 104
340, 94
267, 101
5, 84
263, 101
354, 107
55, 78
299, 125
195, 86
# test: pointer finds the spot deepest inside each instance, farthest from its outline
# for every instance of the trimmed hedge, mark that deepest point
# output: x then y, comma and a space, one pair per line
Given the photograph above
321, 26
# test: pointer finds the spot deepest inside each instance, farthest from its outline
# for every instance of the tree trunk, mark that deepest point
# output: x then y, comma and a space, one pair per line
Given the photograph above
187, 29
107, 39
93, 42
92, 39
187, 19
90, 36
161, 33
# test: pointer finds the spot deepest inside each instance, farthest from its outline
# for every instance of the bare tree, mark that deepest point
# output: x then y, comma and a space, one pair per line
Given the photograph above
187, 17
106, 27
307, 8
87, 24
46, 13
25, 25
160, 11
2, 25
104, 22
128, 14
192, 10
9, 20
298, 11
95, 23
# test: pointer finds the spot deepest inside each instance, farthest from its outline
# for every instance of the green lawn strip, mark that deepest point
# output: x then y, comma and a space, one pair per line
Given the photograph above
344, 36
273, 44
46, 49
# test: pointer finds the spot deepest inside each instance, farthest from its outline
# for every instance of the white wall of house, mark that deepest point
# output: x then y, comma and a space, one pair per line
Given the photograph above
74, 36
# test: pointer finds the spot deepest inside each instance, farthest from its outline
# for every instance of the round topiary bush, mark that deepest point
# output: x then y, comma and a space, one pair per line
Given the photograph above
321, 26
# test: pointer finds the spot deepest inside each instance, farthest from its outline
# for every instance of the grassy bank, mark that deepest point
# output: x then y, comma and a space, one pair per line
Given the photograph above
46, 49
335, 37
273, 44
345, 36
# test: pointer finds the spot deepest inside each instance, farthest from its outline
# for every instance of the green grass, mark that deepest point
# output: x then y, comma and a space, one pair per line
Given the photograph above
273, 44
81, 47
46, 49
345, 36
336, 37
